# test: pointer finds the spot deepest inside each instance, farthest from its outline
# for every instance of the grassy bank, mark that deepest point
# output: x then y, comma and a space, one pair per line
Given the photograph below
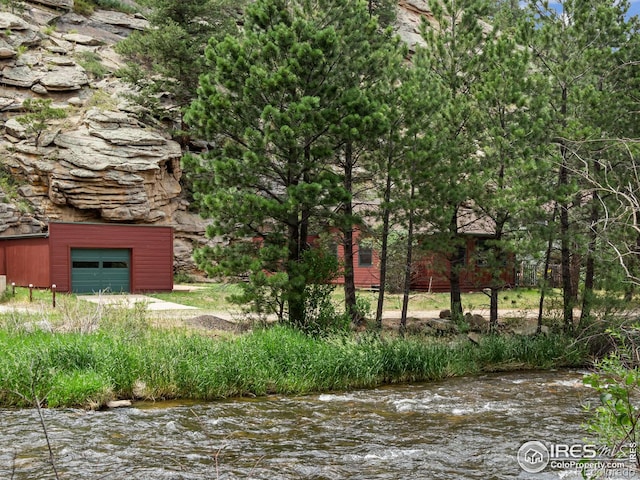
128, 359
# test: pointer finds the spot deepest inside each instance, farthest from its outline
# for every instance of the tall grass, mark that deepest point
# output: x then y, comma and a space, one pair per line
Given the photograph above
123, 357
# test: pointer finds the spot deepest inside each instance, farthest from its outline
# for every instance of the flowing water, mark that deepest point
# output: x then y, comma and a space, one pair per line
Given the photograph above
463, 428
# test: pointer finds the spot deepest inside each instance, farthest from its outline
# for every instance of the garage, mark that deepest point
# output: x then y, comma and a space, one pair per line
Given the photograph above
103, 270
91, 258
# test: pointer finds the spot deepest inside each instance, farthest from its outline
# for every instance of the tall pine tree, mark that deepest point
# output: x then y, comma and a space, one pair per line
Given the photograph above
271, 106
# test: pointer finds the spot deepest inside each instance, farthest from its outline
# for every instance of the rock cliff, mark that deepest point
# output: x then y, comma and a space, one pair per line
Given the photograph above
100, 163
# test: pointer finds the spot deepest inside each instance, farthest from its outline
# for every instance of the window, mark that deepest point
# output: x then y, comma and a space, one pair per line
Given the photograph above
333, 249
84, 264
365, 256
107, 264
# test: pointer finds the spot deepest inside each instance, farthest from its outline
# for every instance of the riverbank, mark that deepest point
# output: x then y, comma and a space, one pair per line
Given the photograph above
125, 358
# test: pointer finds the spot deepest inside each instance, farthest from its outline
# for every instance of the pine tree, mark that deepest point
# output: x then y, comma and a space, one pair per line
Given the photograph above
274, 102
168, 57
453, 46
511, 100
573, 43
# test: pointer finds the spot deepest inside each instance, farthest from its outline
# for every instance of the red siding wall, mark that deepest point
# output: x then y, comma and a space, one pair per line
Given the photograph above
151, 252
25, 261
365, 276
431, 273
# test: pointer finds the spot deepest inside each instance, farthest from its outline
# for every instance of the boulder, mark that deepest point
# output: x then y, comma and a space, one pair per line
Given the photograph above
409, 17
11, 22
20, 76
126, 174
65, 79
120, 19
15, 128
81, 39
6, 50
477, 323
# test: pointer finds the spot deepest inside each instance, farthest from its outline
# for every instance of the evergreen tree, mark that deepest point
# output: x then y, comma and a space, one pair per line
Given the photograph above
453, 47
168, 57
511, 100
272, 106
401, 163
573, 43
363, 120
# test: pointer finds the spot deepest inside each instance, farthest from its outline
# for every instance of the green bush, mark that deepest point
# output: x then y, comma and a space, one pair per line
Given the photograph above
92, 63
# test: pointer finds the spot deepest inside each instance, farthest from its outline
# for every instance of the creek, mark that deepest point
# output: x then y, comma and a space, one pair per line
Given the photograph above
461, 428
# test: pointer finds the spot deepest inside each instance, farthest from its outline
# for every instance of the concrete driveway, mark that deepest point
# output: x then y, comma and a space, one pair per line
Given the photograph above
129, 300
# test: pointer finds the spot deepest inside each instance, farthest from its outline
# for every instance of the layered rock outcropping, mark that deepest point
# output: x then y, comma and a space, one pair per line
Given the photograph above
100, 162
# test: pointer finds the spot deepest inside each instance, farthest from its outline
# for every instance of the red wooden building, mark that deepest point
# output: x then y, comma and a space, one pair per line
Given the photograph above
91, 257
431, 271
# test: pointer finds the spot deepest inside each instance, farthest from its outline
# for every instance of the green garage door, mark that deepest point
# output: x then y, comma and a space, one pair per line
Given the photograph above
103, 269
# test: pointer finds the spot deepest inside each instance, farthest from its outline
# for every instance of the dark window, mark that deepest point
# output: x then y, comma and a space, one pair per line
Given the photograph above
365, 256
333, 249
84, 264
114, 264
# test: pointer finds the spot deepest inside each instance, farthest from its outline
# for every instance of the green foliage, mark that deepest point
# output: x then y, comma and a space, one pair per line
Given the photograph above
39, 114
116, 5
79, 388
87, 7
384, 10
102, 100
14, 6
83, 7
21, 50
49, 29
92, 63
276, 101
9, 185
616, 379
168, 58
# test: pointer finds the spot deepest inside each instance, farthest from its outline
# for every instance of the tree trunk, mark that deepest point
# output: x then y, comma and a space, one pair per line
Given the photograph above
493, 309
496, 272
295, 293
347, 239
587, 298
407, 270
565, 259
565, 249
386, 215
494, 294
545, 275
457, 263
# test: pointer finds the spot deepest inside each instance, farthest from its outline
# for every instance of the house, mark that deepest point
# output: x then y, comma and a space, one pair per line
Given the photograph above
91, 257
431, 271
